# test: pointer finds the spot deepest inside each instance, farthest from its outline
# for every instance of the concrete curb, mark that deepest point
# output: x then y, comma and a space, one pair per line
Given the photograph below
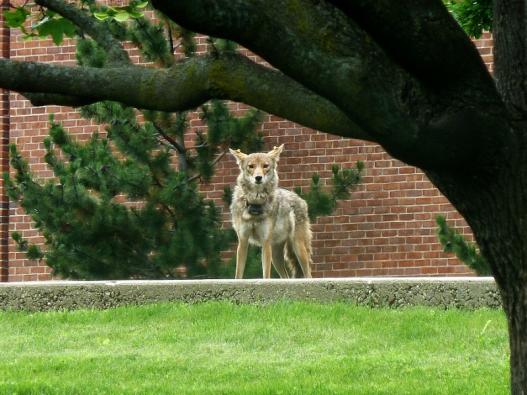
443, 292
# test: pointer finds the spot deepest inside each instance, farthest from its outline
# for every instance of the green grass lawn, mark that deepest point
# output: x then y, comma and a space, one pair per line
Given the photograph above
284, 348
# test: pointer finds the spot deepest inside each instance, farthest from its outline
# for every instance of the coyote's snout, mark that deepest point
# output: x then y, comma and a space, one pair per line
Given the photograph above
270, 217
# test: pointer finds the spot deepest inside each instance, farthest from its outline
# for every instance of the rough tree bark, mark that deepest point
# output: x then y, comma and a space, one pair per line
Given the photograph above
400, 73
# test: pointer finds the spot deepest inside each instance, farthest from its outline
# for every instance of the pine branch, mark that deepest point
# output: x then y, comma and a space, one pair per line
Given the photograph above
170, 37
467, 252
150, 39
213, 163
182, 156
173, 143
322, 202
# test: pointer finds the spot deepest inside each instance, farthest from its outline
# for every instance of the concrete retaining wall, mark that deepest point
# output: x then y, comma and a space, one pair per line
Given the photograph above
460, 292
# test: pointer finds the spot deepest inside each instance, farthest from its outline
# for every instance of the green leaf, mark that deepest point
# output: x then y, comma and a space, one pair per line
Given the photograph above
122, 16
141, 4
102, 16
16, 18
119, 14
57, 29
135, 14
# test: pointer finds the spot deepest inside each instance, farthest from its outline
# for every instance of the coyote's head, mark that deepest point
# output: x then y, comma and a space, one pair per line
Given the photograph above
260, 167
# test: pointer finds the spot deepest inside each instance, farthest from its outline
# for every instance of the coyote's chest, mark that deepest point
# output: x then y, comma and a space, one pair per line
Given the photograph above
262, 221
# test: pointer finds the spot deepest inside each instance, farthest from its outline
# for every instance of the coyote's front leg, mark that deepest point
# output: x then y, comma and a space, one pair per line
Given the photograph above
267, 252
241, 256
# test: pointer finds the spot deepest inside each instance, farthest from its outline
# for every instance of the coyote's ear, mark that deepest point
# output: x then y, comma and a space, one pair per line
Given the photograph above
275, 152
239, 155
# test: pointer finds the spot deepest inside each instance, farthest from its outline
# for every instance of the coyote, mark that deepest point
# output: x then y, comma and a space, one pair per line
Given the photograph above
270, 217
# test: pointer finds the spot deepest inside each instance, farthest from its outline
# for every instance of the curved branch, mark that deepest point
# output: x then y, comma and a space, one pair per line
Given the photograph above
323, 47
141, 87
172, 143
89, 25
237, 78
184, 86
314, 44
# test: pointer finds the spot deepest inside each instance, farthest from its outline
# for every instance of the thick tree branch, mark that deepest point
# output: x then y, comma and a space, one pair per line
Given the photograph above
89, 25
184, 86
427, 41
270, 90
315, 43
136, 86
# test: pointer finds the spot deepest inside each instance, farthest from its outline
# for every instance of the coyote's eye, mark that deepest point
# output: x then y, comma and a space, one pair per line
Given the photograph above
251, 166
266, 166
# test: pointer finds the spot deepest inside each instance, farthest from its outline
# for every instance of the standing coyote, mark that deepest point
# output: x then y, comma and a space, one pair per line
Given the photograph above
270, 217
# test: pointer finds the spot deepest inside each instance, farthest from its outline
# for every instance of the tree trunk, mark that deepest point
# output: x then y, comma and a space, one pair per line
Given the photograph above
507, 257
506, 252
494, 203
515, 304
509, 250
513, 288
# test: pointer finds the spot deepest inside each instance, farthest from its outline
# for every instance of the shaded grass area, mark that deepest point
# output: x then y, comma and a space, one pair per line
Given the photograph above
282, 348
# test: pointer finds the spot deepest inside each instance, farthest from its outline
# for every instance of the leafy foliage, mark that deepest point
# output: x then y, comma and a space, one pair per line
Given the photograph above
49, 24
56, 27
474, 16
467, 252
123, 13
16, 17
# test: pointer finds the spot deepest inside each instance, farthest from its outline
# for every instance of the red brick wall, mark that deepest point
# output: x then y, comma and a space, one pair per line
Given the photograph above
4, 159
387, 228
484, 45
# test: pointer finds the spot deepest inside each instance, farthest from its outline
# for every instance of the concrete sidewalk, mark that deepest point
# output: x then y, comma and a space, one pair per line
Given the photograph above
443, 292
